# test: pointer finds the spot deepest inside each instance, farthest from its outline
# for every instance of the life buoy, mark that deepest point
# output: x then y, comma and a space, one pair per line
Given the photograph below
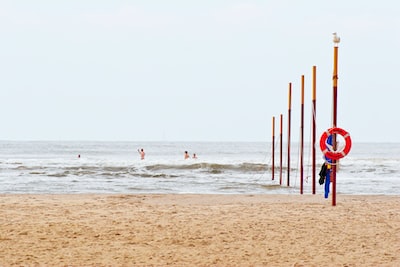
339, 153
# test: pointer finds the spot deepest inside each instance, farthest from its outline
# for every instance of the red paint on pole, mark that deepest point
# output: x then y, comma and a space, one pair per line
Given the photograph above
280, 150
314, 133
273, 148
335, 78
288, 142
302, 136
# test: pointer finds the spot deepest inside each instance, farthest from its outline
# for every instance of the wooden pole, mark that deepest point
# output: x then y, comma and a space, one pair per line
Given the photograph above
314, 109
288, 142
280, 150
336, 41
302, 136
273, 148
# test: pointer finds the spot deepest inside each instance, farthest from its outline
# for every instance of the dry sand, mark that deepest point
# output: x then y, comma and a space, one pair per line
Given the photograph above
199, 230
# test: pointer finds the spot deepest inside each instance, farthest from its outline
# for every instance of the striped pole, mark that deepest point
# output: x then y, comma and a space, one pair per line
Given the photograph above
302, 136
336, 41
314, 135
280, 149
288, 142
273, 148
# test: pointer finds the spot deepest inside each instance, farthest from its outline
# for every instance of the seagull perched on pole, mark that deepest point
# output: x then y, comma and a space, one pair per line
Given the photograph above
336, 39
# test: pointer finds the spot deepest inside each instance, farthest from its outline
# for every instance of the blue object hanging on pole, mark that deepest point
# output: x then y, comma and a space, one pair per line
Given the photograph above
329, 141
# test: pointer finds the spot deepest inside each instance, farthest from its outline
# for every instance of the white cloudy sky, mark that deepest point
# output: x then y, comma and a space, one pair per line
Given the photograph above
207, 70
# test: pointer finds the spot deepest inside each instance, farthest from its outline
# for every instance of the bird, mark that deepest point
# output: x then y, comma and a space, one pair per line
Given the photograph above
336, 39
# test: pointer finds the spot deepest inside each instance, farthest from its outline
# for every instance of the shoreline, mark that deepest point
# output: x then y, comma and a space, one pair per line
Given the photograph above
199, 230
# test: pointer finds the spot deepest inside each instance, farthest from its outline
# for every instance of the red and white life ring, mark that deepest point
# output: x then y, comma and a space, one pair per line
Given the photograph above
339, 153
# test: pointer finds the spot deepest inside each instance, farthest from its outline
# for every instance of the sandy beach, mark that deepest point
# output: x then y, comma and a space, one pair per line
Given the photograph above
199, 230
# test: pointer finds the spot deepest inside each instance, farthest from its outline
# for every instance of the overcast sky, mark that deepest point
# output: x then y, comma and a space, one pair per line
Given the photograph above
207, 70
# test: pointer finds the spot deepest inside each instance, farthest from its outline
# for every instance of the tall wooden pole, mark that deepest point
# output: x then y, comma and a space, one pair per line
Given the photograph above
273, 148
288, 142
314, 135
280, 149
302, 136
336, 41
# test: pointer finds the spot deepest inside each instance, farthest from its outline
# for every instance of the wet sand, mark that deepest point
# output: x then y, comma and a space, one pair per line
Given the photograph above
199, 230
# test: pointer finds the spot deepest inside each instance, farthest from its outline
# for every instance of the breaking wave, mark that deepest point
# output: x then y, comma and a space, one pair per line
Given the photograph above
166, 170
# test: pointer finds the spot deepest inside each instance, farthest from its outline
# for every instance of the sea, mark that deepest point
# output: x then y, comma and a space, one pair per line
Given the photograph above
72, 167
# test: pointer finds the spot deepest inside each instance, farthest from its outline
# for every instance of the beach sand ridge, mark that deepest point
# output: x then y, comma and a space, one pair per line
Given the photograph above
199, 230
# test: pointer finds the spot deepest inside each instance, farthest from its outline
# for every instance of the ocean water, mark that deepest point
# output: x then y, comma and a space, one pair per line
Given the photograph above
221, 168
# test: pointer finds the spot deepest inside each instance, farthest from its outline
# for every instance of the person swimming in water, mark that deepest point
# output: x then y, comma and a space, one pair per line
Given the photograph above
186, 155
142, 154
